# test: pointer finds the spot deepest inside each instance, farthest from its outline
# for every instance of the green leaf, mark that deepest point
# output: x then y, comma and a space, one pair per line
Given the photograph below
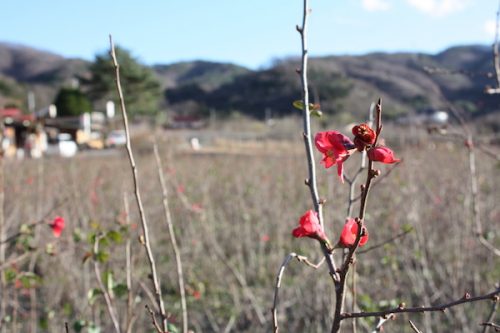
171, 328
93, 329
10, 275
29, 279
78, 235
79, 325
102, 256
108, 279
407, 227
93, 294
298, 105
120, 290
314, 108
114, 236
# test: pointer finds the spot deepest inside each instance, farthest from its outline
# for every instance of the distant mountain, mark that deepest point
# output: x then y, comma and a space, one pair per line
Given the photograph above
344, 85
23, 68
207, 75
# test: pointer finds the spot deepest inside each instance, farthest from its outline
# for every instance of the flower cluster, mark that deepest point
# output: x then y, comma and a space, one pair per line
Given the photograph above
336, 147
309, 226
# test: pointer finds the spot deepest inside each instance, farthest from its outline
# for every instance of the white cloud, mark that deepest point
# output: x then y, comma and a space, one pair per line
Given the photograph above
490, 28
375, 5
439, 7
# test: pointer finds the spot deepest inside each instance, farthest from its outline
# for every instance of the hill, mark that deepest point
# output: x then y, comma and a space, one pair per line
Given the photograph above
344, 85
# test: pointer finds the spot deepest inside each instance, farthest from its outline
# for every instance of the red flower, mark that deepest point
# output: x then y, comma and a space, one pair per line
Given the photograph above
57, 226
334, 147
309, 227
382, 154
349, 233
364, 136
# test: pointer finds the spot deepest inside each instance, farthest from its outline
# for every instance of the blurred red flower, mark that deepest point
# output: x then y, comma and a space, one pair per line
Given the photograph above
364, 136
196, 294
382, 154
309, 227
57, 226
349, 233
335, 149
180, 189
265, 238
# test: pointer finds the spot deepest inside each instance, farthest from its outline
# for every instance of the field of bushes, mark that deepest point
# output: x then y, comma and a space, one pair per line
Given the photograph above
234, 205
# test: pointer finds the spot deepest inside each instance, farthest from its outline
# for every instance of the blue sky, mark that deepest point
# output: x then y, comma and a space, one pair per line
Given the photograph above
247, 32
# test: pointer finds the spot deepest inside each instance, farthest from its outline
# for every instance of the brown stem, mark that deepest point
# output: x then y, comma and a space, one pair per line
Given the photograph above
145, 229
107, 296
436, 308
349, 258
278, 282
173, 241
306, 117
413, 327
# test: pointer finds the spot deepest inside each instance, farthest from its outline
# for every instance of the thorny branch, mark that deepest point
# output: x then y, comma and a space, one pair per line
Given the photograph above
147, 243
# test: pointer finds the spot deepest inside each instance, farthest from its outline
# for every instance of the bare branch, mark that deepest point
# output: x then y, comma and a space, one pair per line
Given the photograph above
493, 325
281, 271
382, 321
107, 296
147, 243
153, 319
413, 327
306, 117
173, 241
442, 307
491, 317
387, 241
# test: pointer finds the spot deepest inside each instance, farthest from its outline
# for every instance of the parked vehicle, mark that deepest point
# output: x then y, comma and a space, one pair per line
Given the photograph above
64, 146
116, 138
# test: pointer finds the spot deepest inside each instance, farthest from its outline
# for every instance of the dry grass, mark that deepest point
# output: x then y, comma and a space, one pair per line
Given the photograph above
251, 195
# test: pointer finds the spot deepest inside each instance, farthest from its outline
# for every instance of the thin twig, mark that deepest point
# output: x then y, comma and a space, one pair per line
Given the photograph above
153, 320
413, 327
493, 325
281, 271
496, 58
173, 241
311, 181
491, 316
128, 263
382, 321
105, 291
387, 241
349, 258
66, 326
147, 243
436, 308
476, 214
37, 223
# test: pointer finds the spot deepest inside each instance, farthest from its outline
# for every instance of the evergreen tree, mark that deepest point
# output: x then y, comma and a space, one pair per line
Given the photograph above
141, 90
72, 102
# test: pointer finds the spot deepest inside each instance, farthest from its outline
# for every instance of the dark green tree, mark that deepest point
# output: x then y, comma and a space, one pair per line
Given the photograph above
72, 102
141, 89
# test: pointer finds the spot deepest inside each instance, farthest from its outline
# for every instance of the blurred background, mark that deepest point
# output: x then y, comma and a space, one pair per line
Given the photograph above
213, 82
